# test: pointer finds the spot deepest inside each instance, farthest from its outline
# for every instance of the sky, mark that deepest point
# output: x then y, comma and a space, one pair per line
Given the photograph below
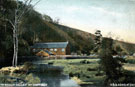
114, 18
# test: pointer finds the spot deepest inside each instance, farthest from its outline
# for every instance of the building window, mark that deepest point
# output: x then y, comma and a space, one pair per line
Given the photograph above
55, 50
62, 49
51, 49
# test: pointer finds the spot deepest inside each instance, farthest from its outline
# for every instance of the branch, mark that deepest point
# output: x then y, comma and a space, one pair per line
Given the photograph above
29, 2
36, 3
26, 10
9, 22
25, 3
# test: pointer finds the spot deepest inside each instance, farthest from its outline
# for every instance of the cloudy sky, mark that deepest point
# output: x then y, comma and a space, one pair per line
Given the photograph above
115, 16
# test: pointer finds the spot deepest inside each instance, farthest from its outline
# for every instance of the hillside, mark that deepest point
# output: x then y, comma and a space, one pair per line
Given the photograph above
129, 47
44, 31
35, 27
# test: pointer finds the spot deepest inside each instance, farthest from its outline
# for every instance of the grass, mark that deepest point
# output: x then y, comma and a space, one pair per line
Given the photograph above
17, 75
131, 59
85, 71
81, 70
130, 65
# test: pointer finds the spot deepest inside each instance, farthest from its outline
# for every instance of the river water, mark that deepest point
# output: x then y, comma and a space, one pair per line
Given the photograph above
55, 79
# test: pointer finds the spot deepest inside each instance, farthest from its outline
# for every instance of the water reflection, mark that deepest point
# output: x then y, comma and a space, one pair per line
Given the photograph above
68, 83
56, 80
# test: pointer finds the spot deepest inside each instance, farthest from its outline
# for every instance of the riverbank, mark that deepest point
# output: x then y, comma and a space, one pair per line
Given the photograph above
36, 74
83, 71
17, 75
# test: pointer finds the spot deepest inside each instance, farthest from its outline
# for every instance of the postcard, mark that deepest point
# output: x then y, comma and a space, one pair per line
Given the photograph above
67, 43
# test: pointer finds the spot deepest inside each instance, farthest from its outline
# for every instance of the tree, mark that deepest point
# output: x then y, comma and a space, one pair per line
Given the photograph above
120, 50
47, 18
6, 42
57, 20
98, 40
111, 66
17, 14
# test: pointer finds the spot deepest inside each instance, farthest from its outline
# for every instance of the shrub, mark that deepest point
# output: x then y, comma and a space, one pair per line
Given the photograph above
91, 69
27, 66
111, 66
31, 79
50, 63
85, 62
130, 60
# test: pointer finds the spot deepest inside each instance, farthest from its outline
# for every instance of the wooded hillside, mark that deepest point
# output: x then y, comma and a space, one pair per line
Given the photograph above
35, 27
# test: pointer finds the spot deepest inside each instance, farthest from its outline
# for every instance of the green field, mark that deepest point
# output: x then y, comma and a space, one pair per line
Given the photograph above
85, 70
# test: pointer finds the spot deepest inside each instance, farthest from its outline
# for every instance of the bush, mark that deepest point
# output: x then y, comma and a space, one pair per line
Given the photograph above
2, 78
85, 62
91, 69
50, 63
129, 76
130, 60
74, 74
27, 66
31, 79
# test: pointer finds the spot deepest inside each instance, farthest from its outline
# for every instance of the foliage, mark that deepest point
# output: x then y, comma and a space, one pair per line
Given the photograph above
32, 79
112, 67
120, 50
131, 60
78, 39
15, 75
47, 18
34, 28
27, 66
98, 40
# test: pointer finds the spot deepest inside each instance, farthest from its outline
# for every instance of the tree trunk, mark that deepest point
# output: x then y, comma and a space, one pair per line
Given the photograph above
15, 40
15, 25
14, 55
16, 46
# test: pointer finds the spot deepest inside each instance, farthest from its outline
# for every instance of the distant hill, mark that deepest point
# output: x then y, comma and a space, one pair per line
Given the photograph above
43, 30
35, 28
129, 47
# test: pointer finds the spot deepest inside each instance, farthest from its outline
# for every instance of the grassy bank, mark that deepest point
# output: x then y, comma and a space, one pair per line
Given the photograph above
130, 65
83, 71
17, 75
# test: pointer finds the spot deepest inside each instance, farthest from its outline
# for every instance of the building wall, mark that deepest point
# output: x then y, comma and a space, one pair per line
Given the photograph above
55, 51
58, 51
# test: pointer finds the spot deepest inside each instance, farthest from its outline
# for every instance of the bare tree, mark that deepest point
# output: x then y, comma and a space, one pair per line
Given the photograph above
117, 37
57, 20
110, 35
19, 11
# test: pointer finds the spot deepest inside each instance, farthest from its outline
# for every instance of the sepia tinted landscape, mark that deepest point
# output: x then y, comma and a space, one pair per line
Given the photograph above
67, 43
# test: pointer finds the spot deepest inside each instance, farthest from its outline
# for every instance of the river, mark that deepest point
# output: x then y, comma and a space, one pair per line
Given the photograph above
56, 79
